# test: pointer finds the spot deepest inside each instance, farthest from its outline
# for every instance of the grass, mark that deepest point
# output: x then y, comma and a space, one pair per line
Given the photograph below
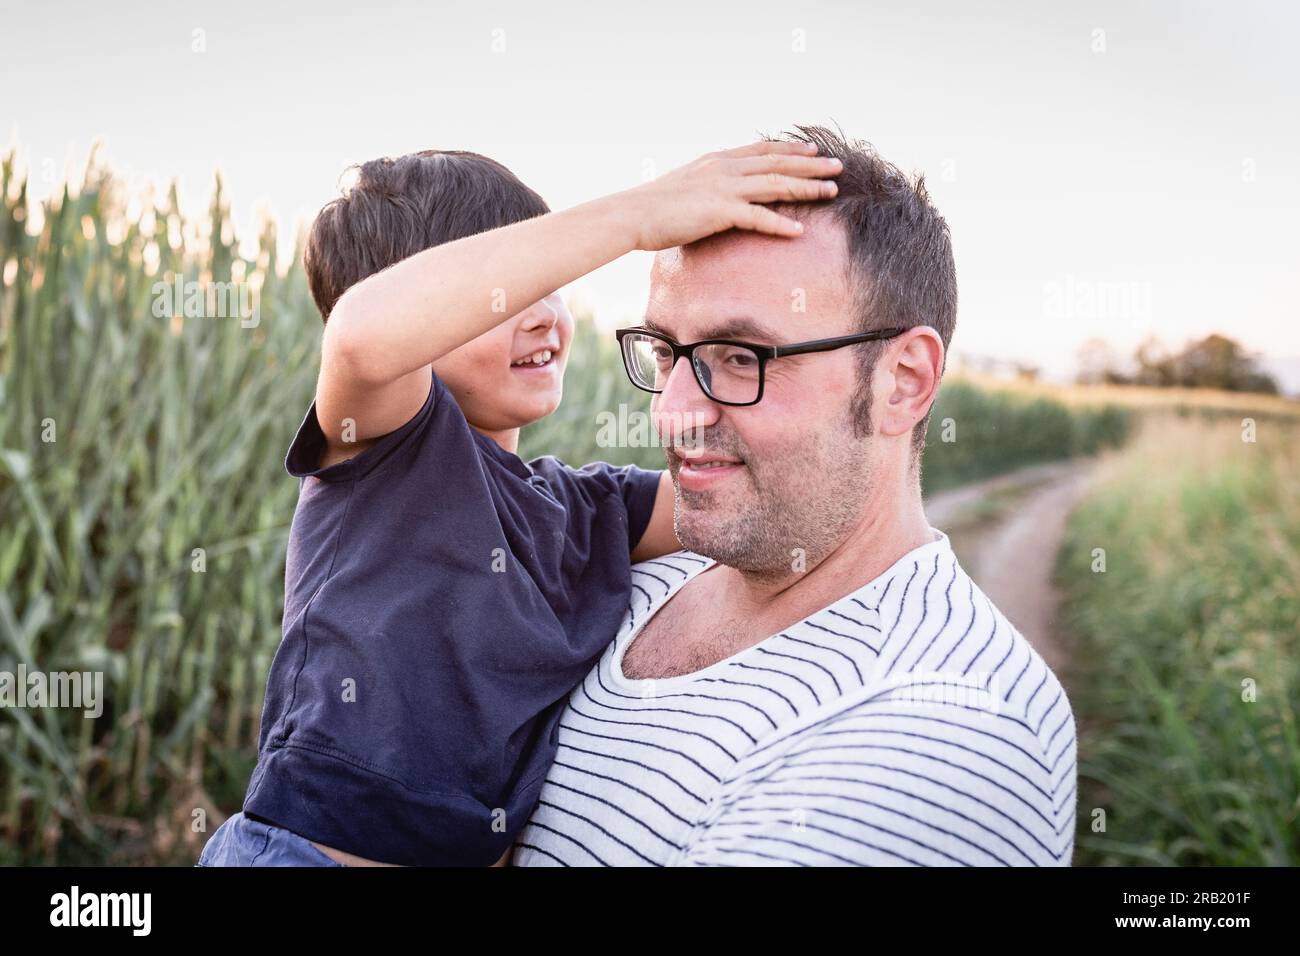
1198, 607
995, 428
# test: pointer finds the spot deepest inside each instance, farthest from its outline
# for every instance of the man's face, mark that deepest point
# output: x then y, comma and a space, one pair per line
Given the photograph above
761, 486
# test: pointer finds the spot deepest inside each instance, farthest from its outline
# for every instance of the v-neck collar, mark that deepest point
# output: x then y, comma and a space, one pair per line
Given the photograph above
863, 601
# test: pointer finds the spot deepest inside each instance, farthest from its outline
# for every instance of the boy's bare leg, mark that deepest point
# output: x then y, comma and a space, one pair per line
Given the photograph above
347, 859
351, 859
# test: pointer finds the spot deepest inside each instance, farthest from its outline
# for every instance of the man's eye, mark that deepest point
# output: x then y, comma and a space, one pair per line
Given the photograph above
742, 360
662, 353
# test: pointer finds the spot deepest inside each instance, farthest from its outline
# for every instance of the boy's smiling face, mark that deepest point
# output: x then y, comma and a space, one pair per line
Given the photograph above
497, 378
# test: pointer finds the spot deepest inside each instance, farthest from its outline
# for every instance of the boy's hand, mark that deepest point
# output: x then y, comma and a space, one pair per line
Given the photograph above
721, 191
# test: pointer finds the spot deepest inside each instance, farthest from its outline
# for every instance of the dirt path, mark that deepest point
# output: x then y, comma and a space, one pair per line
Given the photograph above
1007, 532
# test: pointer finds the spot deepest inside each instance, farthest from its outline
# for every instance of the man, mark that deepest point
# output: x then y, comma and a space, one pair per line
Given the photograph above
815, 680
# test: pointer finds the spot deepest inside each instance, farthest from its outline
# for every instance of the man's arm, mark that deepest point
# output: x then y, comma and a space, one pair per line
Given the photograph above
659, 538
385, 332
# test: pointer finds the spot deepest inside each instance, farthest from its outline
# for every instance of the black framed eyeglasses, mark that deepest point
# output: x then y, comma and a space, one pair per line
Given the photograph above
728, 372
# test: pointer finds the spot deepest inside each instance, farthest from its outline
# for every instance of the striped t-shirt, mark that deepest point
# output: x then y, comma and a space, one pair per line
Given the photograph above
908, 723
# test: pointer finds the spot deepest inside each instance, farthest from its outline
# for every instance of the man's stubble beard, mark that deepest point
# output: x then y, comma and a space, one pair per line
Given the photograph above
791, 509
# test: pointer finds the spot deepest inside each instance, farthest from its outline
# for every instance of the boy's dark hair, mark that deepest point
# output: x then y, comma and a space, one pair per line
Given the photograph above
901, 269
398, 207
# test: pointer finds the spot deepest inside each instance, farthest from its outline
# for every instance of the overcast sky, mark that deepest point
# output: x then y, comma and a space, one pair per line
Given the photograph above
1107, 169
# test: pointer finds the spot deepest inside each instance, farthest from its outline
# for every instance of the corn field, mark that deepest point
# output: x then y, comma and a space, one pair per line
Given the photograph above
144, 516
1189, 638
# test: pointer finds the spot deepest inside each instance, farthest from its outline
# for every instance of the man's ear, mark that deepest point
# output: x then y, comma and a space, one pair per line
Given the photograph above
912, 367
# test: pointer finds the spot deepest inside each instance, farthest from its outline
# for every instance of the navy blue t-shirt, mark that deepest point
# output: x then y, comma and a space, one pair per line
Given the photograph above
442, 598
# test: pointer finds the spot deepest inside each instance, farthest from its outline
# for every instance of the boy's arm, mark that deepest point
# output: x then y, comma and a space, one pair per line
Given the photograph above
659, 538
385, 332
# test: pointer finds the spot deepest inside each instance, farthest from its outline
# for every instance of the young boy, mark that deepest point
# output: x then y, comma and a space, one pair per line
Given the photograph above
442, 596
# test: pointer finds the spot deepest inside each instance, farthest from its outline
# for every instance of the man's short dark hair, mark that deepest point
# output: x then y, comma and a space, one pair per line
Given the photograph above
901, 269
398, 207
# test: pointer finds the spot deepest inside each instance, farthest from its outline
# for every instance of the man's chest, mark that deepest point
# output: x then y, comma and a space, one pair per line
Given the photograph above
634, 776
689, 633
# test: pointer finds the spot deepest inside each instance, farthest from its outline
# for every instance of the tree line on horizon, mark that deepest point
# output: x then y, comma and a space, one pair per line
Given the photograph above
1215, 361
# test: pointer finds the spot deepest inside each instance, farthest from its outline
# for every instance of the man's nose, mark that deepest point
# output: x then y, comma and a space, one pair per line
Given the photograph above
682, 406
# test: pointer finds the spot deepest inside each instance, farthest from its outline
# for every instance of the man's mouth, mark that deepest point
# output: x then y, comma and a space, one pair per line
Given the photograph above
703, 470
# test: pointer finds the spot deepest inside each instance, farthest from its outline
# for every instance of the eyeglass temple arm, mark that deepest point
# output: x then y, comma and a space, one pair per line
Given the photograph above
825, 345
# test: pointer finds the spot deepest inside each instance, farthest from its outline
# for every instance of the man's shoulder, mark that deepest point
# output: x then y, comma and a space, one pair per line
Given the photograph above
938, 625
960, 727
669, 572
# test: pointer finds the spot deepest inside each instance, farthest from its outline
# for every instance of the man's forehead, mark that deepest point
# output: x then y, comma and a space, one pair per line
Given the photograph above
743, 273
